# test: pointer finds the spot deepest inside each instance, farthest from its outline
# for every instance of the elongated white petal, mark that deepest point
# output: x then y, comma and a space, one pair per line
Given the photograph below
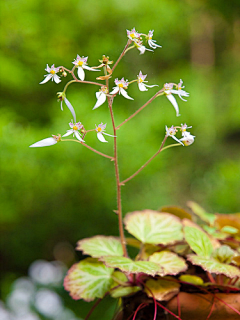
124, 93
115, 90
77, 135
142, 87
70, 107
101, 98
44, 143
107, 134
101, 137
48, 77
176, 139
56, 78
89, 68
151, 86
68, 133
81, 73
174, 103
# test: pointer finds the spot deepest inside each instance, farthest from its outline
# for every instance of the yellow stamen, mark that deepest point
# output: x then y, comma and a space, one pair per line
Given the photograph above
120, 85
132, 35
80, 63
75, 128
52, 72
99, 129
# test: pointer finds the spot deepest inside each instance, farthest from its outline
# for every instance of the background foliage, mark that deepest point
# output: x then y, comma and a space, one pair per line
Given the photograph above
52, 197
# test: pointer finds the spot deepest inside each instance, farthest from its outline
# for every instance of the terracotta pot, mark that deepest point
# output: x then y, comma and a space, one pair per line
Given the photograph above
197, 306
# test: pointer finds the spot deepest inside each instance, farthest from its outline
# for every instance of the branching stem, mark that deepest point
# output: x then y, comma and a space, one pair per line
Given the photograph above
90, 148
140, 109
144, 166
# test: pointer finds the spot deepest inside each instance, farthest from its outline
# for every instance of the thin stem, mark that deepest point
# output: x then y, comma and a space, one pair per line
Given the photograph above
119, 200
143, 166
212, 307
166, 309
228, 305
121, 55
90, 148
92, 309
210, 277
172, 145
140, 109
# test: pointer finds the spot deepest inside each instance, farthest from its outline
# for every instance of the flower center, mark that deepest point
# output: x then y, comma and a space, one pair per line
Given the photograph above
75, 128
80, 63
52, 72
120, 85
132, 35
140, 79
99, 129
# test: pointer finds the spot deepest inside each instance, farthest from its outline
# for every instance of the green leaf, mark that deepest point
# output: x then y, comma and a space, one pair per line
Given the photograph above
123, 291
214, 266
170, 262
162, 289
177, 211
130, 266
201, 213
223, 254
120, 287
88, 279
191, 279
198, 241
229, 229
100, 246
154, 227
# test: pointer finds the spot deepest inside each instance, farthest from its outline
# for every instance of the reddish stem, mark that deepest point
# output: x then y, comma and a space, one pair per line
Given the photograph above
166, 309
140, 109
141, 306
92, 309
121, 55
209, 315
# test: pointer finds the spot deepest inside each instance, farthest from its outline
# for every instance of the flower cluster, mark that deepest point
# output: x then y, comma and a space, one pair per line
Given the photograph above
136, 38
104, 94
186, 140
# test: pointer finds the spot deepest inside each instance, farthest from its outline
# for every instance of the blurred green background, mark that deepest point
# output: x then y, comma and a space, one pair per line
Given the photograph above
52, 197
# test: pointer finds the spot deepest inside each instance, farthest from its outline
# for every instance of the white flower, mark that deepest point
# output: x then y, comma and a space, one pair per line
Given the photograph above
101, 97
187, 139
62, 97
120, 86
74, 130
133, 34
138, 44
180, 92
81, 64
151, 42
47, 142
100, 131
184, 127
52, 74
141, 85
168, 90
170, 132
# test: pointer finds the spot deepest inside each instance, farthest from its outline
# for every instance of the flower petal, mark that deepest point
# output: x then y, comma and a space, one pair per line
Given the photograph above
81, 73
56, 78
44, 143
68, 133
101, 98
174, 103
142, 87
101, 137
70, 107
124, 93
115, 90
89, 68
48, 77
77, 135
